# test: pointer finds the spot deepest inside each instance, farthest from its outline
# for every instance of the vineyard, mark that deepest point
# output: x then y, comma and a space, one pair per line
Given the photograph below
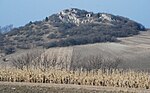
112, 77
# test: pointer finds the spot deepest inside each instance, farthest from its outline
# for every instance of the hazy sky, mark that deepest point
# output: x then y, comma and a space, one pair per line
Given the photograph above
20, 12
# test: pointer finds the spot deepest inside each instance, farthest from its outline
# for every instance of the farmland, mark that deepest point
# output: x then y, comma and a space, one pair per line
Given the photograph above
6, 87
133, 54
109, 78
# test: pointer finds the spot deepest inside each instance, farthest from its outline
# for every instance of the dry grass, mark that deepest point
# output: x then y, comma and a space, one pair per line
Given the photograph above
113, 78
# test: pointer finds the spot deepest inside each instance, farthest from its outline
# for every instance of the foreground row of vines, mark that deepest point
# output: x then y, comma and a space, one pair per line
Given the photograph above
113, 78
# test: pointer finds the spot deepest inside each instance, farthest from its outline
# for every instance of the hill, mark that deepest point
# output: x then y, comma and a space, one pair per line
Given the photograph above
130, 53
133, 53
69, 27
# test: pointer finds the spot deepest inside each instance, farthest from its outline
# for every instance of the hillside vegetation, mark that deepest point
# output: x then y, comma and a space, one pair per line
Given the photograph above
69, 27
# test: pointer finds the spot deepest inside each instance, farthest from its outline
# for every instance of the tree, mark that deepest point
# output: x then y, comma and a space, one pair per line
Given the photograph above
46, 19
25, 61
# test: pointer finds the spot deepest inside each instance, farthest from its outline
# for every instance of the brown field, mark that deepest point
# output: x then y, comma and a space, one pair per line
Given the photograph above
7, 87
134, 51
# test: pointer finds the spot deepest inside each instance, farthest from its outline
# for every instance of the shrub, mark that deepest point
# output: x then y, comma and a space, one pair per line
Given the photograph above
9, 50
50, 44
24, 46
51, 36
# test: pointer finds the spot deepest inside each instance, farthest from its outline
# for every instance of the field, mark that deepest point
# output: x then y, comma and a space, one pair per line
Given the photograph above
121, 79
52, 88
133, 54
133, 51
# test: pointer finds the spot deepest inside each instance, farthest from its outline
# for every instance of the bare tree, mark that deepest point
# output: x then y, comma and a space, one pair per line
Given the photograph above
45, 61
54, 61
92, 62
111, 63
75, 61
25, 60
95, 62
18, 63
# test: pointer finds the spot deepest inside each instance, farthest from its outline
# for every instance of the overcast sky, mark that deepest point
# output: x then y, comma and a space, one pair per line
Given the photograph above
20, 12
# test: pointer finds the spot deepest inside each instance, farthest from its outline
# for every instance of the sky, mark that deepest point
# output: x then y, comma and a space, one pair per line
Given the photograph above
21, 12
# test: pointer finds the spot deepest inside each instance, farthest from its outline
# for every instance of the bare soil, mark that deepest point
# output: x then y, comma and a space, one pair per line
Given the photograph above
8, 87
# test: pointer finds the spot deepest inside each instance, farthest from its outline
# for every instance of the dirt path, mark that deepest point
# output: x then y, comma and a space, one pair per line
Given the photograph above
97, 88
